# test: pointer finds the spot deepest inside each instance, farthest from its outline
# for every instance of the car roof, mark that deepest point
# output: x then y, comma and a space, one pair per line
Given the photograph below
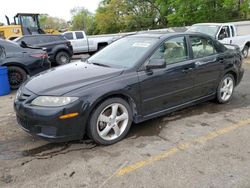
36, 35
216, 24
164, 35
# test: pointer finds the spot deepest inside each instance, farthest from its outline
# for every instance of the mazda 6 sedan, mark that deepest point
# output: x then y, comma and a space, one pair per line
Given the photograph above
134, 79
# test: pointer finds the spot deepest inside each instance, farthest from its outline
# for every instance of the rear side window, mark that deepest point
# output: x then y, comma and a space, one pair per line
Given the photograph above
69, 36
173, 50
202, 46
79, 35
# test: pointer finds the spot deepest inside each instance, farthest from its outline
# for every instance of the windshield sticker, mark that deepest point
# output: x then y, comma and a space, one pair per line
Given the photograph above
141, 45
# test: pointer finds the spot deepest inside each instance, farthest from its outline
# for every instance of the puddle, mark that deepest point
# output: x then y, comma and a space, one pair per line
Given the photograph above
47, 150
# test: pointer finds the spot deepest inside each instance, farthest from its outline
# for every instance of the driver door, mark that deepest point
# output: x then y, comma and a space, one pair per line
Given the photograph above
168, 87
225, 35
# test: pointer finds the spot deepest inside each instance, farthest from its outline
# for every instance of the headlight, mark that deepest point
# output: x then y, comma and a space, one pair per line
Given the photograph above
50, 101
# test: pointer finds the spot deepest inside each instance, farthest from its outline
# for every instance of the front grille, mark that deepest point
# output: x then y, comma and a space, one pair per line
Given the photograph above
28, 125
23, 94
23, 97
23, 122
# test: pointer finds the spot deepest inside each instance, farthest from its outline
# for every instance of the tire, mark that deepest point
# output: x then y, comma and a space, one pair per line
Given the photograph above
225, 89
16, 77
62, 58
245, 51
104, 128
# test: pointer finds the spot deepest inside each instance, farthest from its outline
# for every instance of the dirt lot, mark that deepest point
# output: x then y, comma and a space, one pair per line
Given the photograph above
203, 146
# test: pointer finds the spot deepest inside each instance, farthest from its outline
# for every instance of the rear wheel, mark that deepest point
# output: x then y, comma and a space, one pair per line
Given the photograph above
16, 76
226, 89
110, 121
245, 51
62, 58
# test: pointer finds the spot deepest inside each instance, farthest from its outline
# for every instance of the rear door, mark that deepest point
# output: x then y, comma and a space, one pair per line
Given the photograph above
171, 86
208, 65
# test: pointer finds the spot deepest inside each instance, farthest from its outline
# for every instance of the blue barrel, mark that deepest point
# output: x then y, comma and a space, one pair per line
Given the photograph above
4, 81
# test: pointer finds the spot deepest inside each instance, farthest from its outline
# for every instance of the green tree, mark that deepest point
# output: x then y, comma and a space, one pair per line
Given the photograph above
49, 22
193, 11
82, 19
126, 15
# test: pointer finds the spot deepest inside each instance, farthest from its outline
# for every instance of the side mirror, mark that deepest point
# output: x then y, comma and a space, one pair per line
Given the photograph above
23, 44
156, 64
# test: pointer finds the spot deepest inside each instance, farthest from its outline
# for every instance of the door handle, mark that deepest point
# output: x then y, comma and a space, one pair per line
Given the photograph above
198, 63
187, 70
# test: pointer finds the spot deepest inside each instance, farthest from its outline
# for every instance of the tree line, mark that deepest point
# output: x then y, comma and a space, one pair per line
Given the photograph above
113, 16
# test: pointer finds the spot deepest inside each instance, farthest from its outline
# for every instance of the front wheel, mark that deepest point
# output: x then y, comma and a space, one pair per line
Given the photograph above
16, 77
225, 89
110, 121
245, 51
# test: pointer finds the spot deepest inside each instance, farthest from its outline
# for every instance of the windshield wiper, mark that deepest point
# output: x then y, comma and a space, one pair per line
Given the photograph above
100, 64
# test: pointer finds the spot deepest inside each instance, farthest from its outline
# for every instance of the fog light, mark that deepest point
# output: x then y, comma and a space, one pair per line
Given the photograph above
67, 116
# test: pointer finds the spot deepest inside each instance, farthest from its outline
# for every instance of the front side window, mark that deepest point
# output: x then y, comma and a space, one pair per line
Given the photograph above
202, 46
173, 50
224, 32
69, 36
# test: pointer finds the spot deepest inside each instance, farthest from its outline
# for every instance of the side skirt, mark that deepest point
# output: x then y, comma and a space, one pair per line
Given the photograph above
139, 118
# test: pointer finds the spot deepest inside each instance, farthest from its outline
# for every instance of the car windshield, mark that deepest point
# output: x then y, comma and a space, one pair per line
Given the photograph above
124, 53
206, 29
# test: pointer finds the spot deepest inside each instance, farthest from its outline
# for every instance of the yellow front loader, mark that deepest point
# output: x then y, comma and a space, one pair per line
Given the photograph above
24, 24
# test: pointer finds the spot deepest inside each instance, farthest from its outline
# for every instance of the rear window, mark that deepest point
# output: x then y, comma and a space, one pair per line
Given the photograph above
30, 40
79, 35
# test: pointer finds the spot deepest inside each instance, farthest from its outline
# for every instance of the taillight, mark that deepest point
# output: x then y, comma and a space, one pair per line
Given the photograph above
40, 55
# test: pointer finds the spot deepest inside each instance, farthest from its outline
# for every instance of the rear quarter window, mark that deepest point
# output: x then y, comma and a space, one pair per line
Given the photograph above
79, 35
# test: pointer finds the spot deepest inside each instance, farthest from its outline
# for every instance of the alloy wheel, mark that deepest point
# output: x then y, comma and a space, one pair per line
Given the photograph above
112, 121
227, 88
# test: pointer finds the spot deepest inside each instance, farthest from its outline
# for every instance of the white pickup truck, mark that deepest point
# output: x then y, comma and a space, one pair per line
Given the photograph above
237, 33
88, 44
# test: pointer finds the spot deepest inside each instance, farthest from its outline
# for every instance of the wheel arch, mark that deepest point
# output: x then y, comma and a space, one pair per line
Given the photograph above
247, 44
16, 64
123, 96
233, 73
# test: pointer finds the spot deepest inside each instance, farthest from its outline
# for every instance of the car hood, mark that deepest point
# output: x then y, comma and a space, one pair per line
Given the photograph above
61, 80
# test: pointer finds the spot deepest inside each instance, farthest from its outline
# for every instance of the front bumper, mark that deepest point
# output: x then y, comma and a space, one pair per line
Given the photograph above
45, 122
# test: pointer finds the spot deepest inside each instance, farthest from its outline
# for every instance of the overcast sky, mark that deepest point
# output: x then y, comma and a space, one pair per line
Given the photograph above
58, 8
